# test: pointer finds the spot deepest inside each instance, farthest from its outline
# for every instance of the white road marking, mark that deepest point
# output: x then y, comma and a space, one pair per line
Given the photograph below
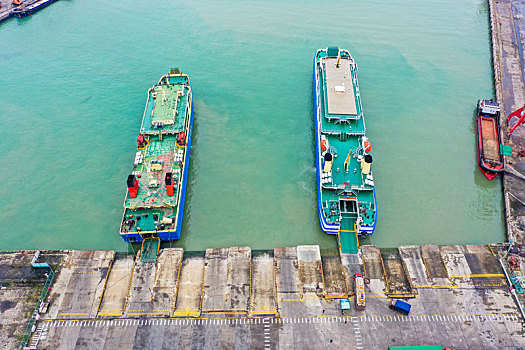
287, 320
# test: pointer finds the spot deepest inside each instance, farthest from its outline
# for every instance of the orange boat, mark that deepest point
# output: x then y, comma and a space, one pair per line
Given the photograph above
490, 160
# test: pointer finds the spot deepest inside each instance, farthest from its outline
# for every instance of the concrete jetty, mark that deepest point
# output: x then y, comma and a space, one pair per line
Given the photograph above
507, 23
6, 11
236, 298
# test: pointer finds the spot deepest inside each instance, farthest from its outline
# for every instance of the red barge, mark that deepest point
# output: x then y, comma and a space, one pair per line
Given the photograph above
490, 160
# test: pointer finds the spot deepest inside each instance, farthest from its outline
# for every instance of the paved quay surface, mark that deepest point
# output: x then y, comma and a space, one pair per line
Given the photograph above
7, 7
507, 18
20, 287
280, 299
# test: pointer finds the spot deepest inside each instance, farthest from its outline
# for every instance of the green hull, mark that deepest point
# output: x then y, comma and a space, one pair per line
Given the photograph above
154, 203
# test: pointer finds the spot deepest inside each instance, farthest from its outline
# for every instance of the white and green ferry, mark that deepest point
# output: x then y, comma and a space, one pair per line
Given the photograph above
345, 182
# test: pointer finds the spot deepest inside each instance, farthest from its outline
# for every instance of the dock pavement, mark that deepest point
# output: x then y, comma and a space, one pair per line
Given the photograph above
507, 23
7, 7
276, 299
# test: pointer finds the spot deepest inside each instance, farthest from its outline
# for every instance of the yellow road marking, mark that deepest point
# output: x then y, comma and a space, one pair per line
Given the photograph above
74, 314
225, 312
439, 286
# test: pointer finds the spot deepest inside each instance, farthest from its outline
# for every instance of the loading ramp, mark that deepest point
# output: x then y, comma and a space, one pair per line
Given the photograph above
348, 241
150, 249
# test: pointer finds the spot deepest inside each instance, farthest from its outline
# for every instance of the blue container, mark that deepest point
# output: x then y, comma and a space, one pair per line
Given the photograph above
401, 306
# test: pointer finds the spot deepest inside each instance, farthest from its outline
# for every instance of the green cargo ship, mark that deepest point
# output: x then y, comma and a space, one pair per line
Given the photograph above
154, 203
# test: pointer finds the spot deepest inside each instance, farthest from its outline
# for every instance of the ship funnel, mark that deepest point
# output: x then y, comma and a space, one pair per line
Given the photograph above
328, 161
366, 164
140, 141
133, 186
168, 180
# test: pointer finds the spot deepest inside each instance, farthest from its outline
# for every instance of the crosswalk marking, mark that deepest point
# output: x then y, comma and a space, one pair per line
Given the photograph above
355, 321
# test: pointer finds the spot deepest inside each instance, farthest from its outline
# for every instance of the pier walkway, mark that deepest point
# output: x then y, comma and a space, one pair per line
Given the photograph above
277, 299
8, 7
507, 18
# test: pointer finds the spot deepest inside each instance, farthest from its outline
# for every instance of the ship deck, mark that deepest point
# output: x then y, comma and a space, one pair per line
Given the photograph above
490, 140
167, 115
354, 177
169, 107
157, 161
340, 89
343, 125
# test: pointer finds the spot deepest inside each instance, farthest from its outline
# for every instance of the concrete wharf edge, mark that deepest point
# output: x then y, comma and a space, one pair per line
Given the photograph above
7, 8
238, 299
509, 90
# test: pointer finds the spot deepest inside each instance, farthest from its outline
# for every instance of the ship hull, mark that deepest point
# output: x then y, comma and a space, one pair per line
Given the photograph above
131, 233
490, 161
325, 225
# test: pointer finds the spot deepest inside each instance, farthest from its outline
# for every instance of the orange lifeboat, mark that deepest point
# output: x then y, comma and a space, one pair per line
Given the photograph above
17, 2
368, 146
324, 143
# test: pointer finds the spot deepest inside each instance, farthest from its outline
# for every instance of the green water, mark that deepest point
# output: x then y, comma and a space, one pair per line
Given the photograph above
73, 82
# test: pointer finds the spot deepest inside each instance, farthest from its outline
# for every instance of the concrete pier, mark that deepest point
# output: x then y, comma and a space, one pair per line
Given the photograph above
231, 298
78, 291
508, 39
189, 293
310, 269
263, 286
335, 281
140, 295
167, 275
215, 288
238, 281
116, 293
8, 7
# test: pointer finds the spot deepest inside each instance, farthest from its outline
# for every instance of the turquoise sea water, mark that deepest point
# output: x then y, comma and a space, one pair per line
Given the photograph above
73, 83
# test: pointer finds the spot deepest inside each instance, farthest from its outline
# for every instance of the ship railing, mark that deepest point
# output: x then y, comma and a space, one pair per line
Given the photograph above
338, 133
361, 188
330, 186
357, 91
